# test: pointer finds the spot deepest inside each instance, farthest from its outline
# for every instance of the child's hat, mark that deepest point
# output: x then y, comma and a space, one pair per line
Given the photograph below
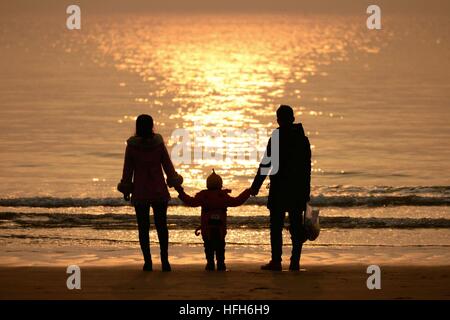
214, 181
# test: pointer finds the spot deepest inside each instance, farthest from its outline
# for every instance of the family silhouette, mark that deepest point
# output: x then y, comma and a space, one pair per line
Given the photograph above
143, 182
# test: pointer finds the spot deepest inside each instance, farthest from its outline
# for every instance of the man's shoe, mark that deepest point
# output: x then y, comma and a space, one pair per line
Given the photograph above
147, 266
221, 266
272, 266
210, 266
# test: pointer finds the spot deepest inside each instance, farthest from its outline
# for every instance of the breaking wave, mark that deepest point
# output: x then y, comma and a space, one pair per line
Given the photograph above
128, 221
323, 196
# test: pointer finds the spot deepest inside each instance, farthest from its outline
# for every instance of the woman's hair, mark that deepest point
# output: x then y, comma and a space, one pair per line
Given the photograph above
144, 126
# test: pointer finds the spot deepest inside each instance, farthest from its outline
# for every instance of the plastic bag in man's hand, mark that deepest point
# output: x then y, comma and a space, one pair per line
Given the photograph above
312, 224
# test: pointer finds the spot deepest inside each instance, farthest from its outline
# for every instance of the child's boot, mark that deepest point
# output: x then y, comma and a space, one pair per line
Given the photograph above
209, 253
220, 255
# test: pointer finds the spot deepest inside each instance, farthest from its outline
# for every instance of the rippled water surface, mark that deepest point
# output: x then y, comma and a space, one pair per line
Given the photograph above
374, 105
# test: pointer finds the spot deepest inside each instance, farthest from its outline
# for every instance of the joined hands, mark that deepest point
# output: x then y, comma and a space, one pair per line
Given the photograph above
253, 192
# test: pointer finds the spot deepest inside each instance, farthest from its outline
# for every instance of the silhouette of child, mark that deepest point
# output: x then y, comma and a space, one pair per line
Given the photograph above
214, 202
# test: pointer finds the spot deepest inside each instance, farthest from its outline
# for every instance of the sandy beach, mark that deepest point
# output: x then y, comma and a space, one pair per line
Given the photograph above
43, 275
190, 282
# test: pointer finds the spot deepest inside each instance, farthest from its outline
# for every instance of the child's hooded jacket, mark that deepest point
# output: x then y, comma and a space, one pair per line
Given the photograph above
214, 205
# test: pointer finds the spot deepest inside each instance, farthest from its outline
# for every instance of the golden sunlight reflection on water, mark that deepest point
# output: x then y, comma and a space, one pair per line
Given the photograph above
218, 73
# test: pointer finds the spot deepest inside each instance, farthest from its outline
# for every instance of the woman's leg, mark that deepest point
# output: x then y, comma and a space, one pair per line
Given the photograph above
160, 215
143, 220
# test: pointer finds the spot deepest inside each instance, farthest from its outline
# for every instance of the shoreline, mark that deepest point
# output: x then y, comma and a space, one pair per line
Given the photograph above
112, 255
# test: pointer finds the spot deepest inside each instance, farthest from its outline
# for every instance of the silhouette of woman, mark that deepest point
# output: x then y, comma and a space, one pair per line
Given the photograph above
145, 158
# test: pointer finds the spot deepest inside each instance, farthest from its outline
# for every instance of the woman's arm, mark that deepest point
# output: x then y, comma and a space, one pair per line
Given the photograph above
187, 199
128, 167
126, 184
167, 164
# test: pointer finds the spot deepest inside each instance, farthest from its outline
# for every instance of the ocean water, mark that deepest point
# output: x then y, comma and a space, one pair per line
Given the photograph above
375, 105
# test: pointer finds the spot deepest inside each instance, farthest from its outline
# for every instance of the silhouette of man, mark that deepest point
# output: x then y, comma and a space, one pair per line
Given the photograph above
289, 189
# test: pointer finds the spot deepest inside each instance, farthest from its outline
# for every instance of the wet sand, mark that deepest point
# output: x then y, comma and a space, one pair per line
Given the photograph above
39, 272
243, 281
